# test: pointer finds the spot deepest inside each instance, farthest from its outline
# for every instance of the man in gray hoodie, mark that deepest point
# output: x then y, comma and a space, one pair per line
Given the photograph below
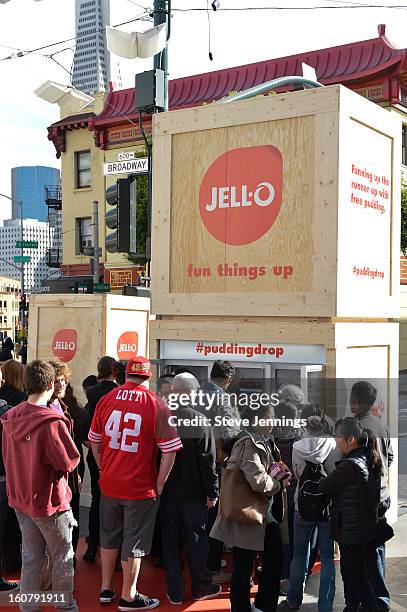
318, 447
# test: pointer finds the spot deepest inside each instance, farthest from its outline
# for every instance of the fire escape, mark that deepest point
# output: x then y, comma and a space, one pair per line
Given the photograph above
53, 200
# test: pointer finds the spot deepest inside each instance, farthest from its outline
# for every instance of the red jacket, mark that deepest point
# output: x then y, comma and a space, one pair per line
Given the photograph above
38, 454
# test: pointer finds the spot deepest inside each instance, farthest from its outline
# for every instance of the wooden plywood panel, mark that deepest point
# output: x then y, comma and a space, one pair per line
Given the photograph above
86, 322
191, 155
284, 252
293, 332
267, 108
241, 304
160, 230
326, 203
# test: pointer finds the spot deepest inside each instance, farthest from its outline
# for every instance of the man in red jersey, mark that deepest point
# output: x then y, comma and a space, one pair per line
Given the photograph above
130, 424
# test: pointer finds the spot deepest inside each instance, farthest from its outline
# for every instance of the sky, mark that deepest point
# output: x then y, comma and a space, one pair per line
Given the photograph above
237, 37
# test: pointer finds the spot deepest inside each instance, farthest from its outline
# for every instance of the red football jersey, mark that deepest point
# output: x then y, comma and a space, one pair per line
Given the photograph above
131, 422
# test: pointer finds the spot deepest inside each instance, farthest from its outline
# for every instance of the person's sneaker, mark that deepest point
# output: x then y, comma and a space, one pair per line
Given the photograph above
223, 563
254, 609
213, 591
174, 601
140, 602
107, 595
221, 577
6, 586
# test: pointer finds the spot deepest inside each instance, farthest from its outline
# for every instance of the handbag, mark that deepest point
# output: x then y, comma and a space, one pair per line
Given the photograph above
238, 502
384, 533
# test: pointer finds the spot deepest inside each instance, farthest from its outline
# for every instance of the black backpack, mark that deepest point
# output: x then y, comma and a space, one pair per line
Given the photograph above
312, 504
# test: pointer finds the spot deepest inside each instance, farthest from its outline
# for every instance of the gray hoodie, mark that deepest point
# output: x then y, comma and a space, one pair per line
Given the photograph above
316, 450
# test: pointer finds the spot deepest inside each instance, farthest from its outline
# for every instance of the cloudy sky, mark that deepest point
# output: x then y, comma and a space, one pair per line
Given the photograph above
237, 38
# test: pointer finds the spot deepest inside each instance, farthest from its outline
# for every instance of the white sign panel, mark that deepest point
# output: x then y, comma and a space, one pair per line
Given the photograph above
127, 333
126, 155
364, 238
132, 166
251, 352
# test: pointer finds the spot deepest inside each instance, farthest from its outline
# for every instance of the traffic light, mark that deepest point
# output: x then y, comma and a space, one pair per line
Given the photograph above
122, 218
23, 302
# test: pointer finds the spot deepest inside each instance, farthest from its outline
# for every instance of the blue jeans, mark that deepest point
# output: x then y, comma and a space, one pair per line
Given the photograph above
55, 534
302, 535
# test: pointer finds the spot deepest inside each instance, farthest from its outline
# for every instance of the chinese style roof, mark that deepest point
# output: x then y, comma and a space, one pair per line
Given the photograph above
352, 65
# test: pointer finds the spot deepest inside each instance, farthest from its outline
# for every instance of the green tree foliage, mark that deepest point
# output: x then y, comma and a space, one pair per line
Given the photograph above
403, 240
141, 220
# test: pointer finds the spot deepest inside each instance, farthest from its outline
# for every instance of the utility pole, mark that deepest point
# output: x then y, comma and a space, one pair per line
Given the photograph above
161, 7
95, 240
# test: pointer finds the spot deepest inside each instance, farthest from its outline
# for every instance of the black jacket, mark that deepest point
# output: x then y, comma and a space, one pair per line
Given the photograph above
193, 477
284, 439
3, 409
355, 492
94, 394
12, 396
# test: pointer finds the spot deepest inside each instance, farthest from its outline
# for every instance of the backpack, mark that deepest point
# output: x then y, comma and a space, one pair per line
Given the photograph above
312, 504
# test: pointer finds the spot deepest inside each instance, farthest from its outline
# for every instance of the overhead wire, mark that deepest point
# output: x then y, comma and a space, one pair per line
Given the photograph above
95, 95
146, 10
289, 8
67, 40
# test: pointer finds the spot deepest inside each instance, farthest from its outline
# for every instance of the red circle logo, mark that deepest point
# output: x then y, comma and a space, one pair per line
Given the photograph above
241, 192
65, 344
127, 345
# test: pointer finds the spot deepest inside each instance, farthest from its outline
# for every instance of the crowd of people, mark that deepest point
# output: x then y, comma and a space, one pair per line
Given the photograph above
166, 479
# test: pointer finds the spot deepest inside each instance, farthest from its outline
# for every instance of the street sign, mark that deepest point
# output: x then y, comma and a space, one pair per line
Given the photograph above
101, 287
22, 258
132, 166
89, 251
126, 156
27, 244
82, 288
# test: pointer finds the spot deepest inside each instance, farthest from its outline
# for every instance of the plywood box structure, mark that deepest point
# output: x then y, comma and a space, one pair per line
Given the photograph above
79, 329
275, 238
285, 206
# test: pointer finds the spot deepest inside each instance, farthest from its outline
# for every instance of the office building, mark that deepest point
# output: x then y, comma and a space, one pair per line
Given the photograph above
28, 186
36, 269
91, 68
9, 306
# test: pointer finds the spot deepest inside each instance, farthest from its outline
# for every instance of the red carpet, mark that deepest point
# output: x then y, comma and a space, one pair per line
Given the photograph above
152, 582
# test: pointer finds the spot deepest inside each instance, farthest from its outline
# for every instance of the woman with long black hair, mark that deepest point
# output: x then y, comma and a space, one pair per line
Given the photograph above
355, 490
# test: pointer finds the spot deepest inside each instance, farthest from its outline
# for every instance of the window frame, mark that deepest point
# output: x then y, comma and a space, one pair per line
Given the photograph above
79, 171
79, 235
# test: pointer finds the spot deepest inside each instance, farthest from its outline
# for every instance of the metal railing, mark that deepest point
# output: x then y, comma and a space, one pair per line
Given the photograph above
54, 257
53, 196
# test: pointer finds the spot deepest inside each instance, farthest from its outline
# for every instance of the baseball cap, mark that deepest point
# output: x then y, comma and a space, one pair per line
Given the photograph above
138, 366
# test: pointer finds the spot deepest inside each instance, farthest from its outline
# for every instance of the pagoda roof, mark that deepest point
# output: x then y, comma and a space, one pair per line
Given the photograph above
350, 64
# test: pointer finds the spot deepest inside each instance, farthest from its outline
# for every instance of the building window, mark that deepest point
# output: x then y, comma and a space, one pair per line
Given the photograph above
83, 234
404, 146
82, 169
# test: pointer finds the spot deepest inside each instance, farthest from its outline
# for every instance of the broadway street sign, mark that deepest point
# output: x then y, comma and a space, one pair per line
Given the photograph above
132, 166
